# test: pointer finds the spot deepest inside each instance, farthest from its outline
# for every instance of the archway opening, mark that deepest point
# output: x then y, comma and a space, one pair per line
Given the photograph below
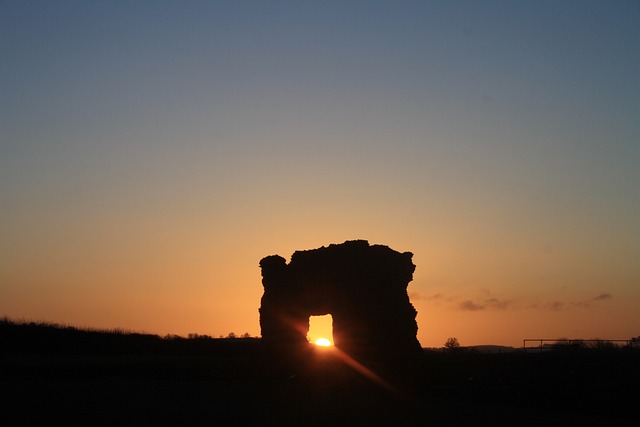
321, 330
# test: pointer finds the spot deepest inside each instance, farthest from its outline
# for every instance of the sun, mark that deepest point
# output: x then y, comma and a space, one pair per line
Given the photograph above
323, 342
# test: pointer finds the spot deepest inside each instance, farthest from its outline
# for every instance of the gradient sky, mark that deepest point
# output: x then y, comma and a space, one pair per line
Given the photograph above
151, 153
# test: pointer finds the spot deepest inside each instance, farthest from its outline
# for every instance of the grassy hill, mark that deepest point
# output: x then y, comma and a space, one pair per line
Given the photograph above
95, 377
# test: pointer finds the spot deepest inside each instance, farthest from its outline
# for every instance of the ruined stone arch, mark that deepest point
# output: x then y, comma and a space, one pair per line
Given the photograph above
363, 287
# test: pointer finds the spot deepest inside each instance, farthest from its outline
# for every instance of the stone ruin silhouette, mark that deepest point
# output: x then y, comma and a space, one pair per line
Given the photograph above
363, 287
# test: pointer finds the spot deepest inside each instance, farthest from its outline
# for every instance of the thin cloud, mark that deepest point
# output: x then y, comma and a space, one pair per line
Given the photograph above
597, 299
602, 297
435, 299
588, 304
484, 300
557, 306
497, 304
487, 304
469, 305
419, 296
416, 296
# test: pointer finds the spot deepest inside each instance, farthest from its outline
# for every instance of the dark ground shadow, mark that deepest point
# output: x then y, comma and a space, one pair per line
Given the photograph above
79, 378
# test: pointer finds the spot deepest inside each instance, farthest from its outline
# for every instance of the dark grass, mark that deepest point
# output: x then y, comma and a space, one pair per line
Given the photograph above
54, 374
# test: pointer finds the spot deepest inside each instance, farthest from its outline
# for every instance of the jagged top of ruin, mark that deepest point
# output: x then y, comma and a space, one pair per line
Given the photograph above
354, 261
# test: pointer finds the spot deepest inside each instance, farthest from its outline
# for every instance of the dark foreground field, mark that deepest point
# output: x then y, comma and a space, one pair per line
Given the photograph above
53, 376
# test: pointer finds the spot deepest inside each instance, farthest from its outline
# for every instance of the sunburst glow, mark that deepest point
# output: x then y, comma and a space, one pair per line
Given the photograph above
323, 342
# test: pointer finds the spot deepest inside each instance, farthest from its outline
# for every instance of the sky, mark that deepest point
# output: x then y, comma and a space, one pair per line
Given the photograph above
152, 152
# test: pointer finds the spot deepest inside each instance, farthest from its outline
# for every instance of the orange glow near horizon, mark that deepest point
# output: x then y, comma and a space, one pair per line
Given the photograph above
321, 330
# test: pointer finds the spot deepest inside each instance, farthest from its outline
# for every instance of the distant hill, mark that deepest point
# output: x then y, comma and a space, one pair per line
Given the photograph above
491, 348
485, 349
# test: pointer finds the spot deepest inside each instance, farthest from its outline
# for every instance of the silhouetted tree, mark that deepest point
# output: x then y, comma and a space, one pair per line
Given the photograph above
172, 337
452, 343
